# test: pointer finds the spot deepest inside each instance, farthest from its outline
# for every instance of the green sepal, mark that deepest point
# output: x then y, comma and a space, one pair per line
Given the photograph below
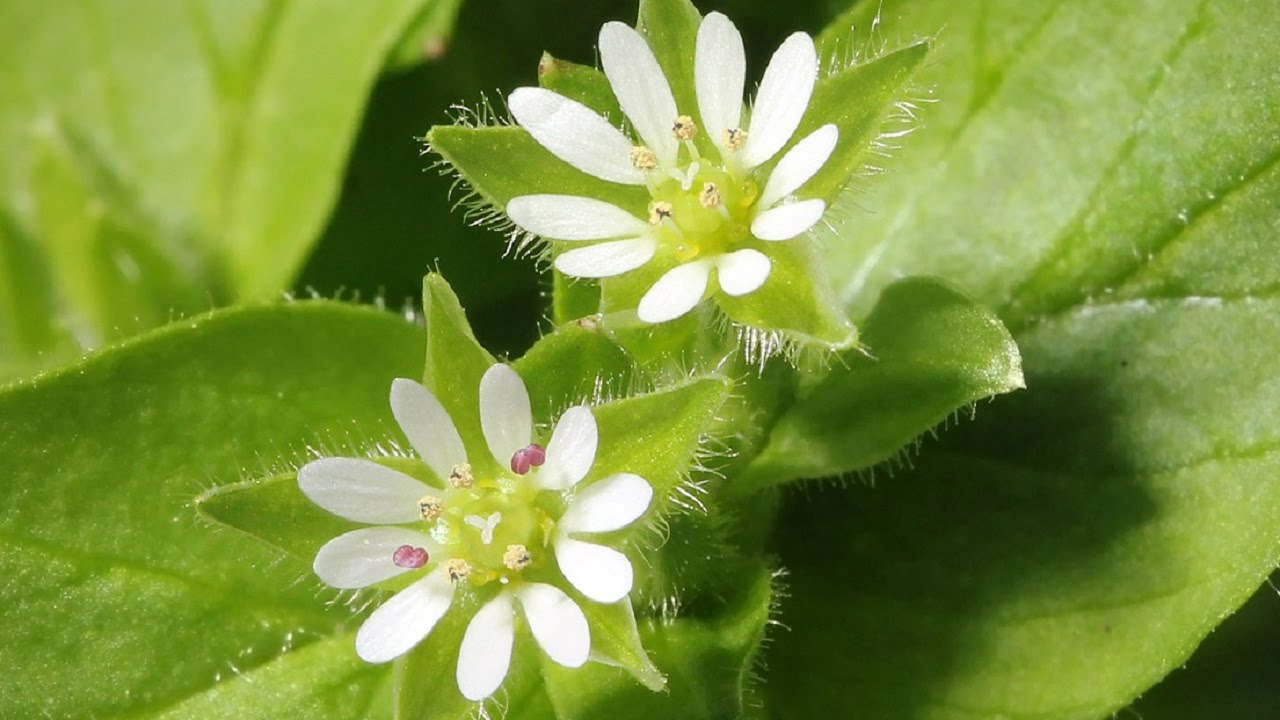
857, 100
274, 509
577, 363
582, 83
504, 162
671, 28
796, 300
929, 352
454, 365
616, 641
710, 655
573, 298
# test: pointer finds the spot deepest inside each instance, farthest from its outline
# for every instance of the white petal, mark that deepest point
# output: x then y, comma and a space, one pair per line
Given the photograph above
485, 655
571, 451
742, 271
607, 259
641, 88
719, 71
799, 164
404, 620
601, 573
608, 504
557, 623
427, 425
677, 292
362, 490
787, 221
568, 217
783, 97
362, 557
505, 415
576, 134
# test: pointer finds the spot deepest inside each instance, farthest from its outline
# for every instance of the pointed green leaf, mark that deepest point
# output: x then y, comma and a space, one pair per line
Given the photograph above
929, 353
616, 641
119, 602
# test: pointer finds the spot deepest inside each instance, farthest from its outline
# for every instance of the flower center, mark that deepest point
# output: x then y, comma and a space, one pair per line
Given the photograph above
703, 214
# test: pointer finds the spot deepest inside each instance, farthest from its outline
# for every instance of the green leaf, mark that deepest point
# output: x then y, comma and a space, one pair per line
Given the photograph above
428, 37
1114, 200
118, 601
929, 353
162, 156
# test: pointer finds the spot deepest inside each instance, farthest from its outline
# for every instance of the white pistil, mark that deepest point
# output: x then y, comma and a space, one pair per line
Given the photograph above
486, 526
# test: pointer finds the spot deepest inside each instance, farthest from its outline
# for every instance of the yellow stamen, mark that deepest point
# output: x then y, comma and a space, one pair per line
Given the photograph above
734, 139
642, 158
517, 557
684, 128
460, 476
659, 211
710, 195
431, 507
457, 570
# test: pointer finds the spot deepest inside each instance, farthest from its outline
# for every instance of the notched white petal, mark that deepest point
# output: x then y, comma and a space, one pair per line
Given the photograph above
557, 623
571, 450
568, 217
607, 259
505, 414
608, 504
363, 557
720, 71
677, 292
404, 620
428, 426
601, 573
576, 134
783, 98
743, 271
641, 88
787, 221
485, 655
362, 490
801, 163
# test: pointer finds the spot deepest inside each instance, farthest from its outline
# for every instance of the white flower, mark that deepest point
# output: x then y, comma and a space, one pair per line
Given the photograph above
703, 210
477, 533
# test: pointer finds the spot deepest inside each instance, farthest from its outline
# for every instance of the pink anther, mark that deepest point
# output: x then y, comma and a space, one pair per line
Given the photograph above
527, 458
408, 556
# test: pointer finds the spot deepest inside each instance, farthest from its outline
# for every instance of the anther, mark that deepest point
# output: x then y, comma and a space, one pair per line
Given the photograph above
710, 195
431, 507
460, 476
408, 556
684, 128
517, 557
659, 211
734, 139
457, 569
527, 458
642, 158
